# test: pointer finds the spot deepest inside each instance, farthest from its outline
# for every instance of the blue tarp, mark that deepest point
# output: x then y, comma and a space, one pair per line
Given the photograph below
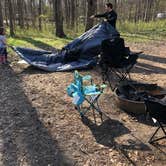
78, 54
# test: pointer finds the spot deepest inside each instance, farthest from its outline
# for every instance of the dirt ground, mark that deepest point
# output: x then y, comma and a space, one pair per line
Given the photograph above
40, 127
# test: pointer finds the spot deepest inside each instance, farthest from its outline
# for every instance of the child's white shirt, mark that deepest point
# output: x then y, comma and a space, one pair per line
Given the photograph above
2, 41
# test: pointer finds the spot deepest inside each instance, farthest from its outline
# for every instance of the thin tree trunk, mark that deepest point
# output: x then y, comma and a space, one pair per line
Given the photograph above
11, 18
58, 17
136, 12
6, 13
20, 13
92, 7
33, 13
25, 4
1, 15
115, 4
77, 15
40, 12
146, 10
67, 13
73, 13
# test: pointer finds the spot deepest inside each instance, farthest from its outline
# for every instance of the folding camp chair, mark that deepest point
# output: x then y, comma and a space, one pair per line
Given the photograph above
116, 61
116, 76
157, 111
85, 93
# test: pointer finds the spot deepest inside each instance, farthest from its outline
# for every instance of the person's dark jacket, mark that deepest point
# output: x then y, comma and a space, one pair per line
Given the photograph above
111, 17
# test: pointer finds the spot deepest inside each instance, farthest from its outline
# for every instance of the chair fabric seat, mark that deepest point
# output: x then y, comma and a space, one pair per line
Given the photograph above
157, 111
91, 90
87, 77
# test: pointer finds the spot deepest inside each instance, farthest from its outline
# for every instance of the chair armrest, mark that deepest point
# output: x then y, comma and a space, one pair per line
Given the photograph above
103, 86
87, 78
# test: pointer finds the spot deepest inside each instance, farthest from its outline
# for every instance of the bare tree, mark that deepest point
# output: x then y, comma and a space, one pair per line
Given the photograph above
1, 15
40, 12
20, 13
73, 10
92, 7
33, 12
67, 12
115, 4
11, 18
58, 17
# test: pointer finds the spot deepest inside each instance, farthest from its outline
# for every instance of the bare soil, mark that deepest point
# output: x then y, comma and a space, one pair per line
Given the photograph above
40, 127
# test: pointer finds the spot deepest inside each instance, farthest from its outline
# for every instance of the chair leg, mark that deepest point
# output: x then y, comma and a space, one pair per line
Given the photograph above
100, 112
101, 116
121, 76
78, 108
106, 78
162, 127
151, 140
80, 111
95, 107
94, 115
129, 76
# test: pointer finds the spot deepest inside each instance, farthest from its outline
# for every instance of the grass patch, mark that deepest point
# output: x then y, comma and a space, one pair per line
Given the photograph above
142, 31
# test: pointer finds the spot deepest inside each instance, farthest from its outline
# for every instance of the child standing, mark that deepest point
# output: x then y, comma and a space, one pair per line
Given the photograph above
3, 49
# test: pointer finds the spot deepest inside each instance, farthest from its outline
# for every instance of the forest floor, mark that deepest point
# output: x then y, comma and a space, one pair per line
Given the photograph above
40, 127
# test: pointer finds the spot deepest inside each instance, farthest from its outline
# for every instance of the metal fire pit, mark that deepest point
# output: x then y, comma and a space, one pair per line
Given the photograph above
135, 104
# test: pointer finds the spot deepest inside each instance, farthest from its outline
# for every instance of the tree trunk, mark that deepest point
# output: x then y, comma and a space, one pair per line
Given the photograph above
26, 10
33, 13
73, 13
1, 15
150, 13
40, 12
6, 13
92, 7
115, 4
11, 21
58, 17
136, 13
20, 13
146, 10
77, 14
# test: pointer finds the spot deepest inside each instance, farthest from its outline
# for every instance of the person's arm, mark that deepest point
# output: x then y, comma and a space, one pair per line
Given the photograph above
100, 15
3, 40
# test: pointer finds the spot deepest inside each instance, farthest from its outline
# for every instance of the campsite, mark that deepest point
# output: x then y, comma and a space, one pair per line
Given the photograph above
39, 122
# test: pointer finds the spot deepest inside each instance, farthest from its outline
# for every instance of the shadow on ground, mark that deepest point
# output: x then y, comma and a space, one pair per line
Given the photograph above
106, 133
150, 69
153, 58
24, 138
39, 44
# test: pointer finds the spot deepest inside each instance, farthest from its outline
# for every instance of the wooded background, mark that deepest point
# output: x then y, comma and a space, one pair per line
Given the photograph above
72, 14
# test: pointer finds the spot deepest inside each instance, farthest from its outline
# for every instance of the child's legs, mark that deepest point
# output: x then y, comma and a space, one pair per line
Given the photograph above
1, 59
3, 55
